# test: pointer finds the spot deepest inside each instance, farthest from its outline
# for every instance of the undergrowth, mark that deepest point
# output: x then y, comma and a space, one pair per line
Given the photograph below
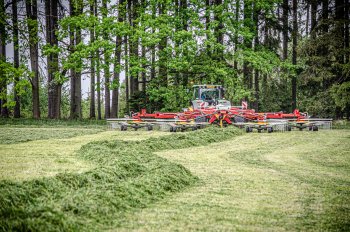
128, 176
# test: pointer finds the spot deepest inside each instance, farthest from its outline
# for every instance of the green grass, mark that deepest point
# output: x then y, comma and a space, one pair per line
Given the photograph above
10, 135
38, 158
207, 180
127, 176
298, 181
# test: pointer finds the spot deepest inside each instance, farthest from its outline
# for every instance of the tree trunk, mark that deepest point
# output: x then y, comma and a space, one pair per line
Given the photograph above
127, 86
54, 87
17, 108
256, 44
31, 8
133, 77
106, 68
98, 85
207, 24
313, 18
92, 68
285, 29
3, 82
116, 73
294, 53
143, 57
129, 9
218, 30
235, 63
75, 88
247, 71
325, 6
346, 30
163, 77
153, 49
307, 17
183, 12
4, 112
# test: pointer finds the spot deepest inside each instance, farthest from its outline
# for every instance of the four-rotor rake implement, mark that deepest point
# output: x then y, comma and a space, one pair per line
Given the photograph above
209, 107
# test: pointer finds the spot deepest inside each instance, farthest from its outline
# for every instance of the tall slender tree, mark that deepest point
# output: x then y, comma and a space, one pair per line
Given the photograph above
54, 86
3, 81
294, 52
247, 71
256, 47
106, 65
92, 66
32, 24
17, 108
285, 9
117, 64
76, 9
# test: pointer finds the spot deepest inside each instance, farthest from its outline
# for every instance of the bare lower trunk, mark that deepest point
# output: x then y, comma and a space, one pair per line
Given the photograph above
115, 91
294, 53
75, 39
54, 88
92, 69
3, 82
127, 108
31, 8
17, 108
98, 86
106, 68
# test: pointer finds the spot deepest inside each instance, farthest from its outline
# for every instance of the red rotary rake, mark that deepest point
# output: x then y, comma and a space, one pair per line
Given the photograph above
209, 107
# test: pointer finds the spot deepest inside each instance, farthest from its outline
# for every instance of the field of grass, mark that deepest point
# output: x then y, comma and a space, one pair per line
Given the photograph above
126, 175
297, 181
52, 150
213, 179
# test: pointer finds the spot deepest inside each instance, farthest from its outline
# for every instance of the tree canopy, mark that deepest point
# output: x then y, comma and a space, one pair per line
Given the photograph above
275, 54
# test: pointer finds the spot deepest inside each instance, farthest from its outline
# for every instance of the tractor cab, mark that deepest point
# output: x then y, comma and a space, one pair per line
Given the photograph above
209, 96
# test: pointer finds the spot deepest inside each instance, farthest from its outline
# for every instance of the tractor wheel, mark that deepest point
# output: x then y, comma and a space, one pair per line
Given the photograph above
239, 119
123, 128
269, 130
149, 127
315, 128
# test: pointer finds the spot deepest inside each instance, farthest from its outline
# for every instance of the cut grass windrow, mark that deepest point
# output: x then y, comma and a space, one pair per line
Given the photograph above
128, 175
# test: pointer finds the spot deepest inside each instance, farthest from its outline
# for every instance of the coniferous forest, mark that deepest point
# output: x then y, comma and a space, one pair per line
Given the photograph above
105, 58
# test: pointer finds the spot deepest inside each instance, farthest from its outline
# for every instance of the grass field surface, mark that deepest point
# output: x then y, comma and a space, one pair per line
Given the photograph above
56, 153
127, 175
208, 180
297, 181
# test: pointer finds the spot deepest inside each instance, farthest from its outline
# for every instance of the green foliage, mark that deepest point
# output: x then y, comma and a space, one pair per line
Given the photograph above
341, 95
9, 74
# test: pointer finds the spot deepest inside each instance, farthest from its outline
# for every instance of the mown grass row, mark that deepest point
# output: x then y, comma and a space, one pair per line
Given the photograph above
128, 176
45, 122
11, 135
